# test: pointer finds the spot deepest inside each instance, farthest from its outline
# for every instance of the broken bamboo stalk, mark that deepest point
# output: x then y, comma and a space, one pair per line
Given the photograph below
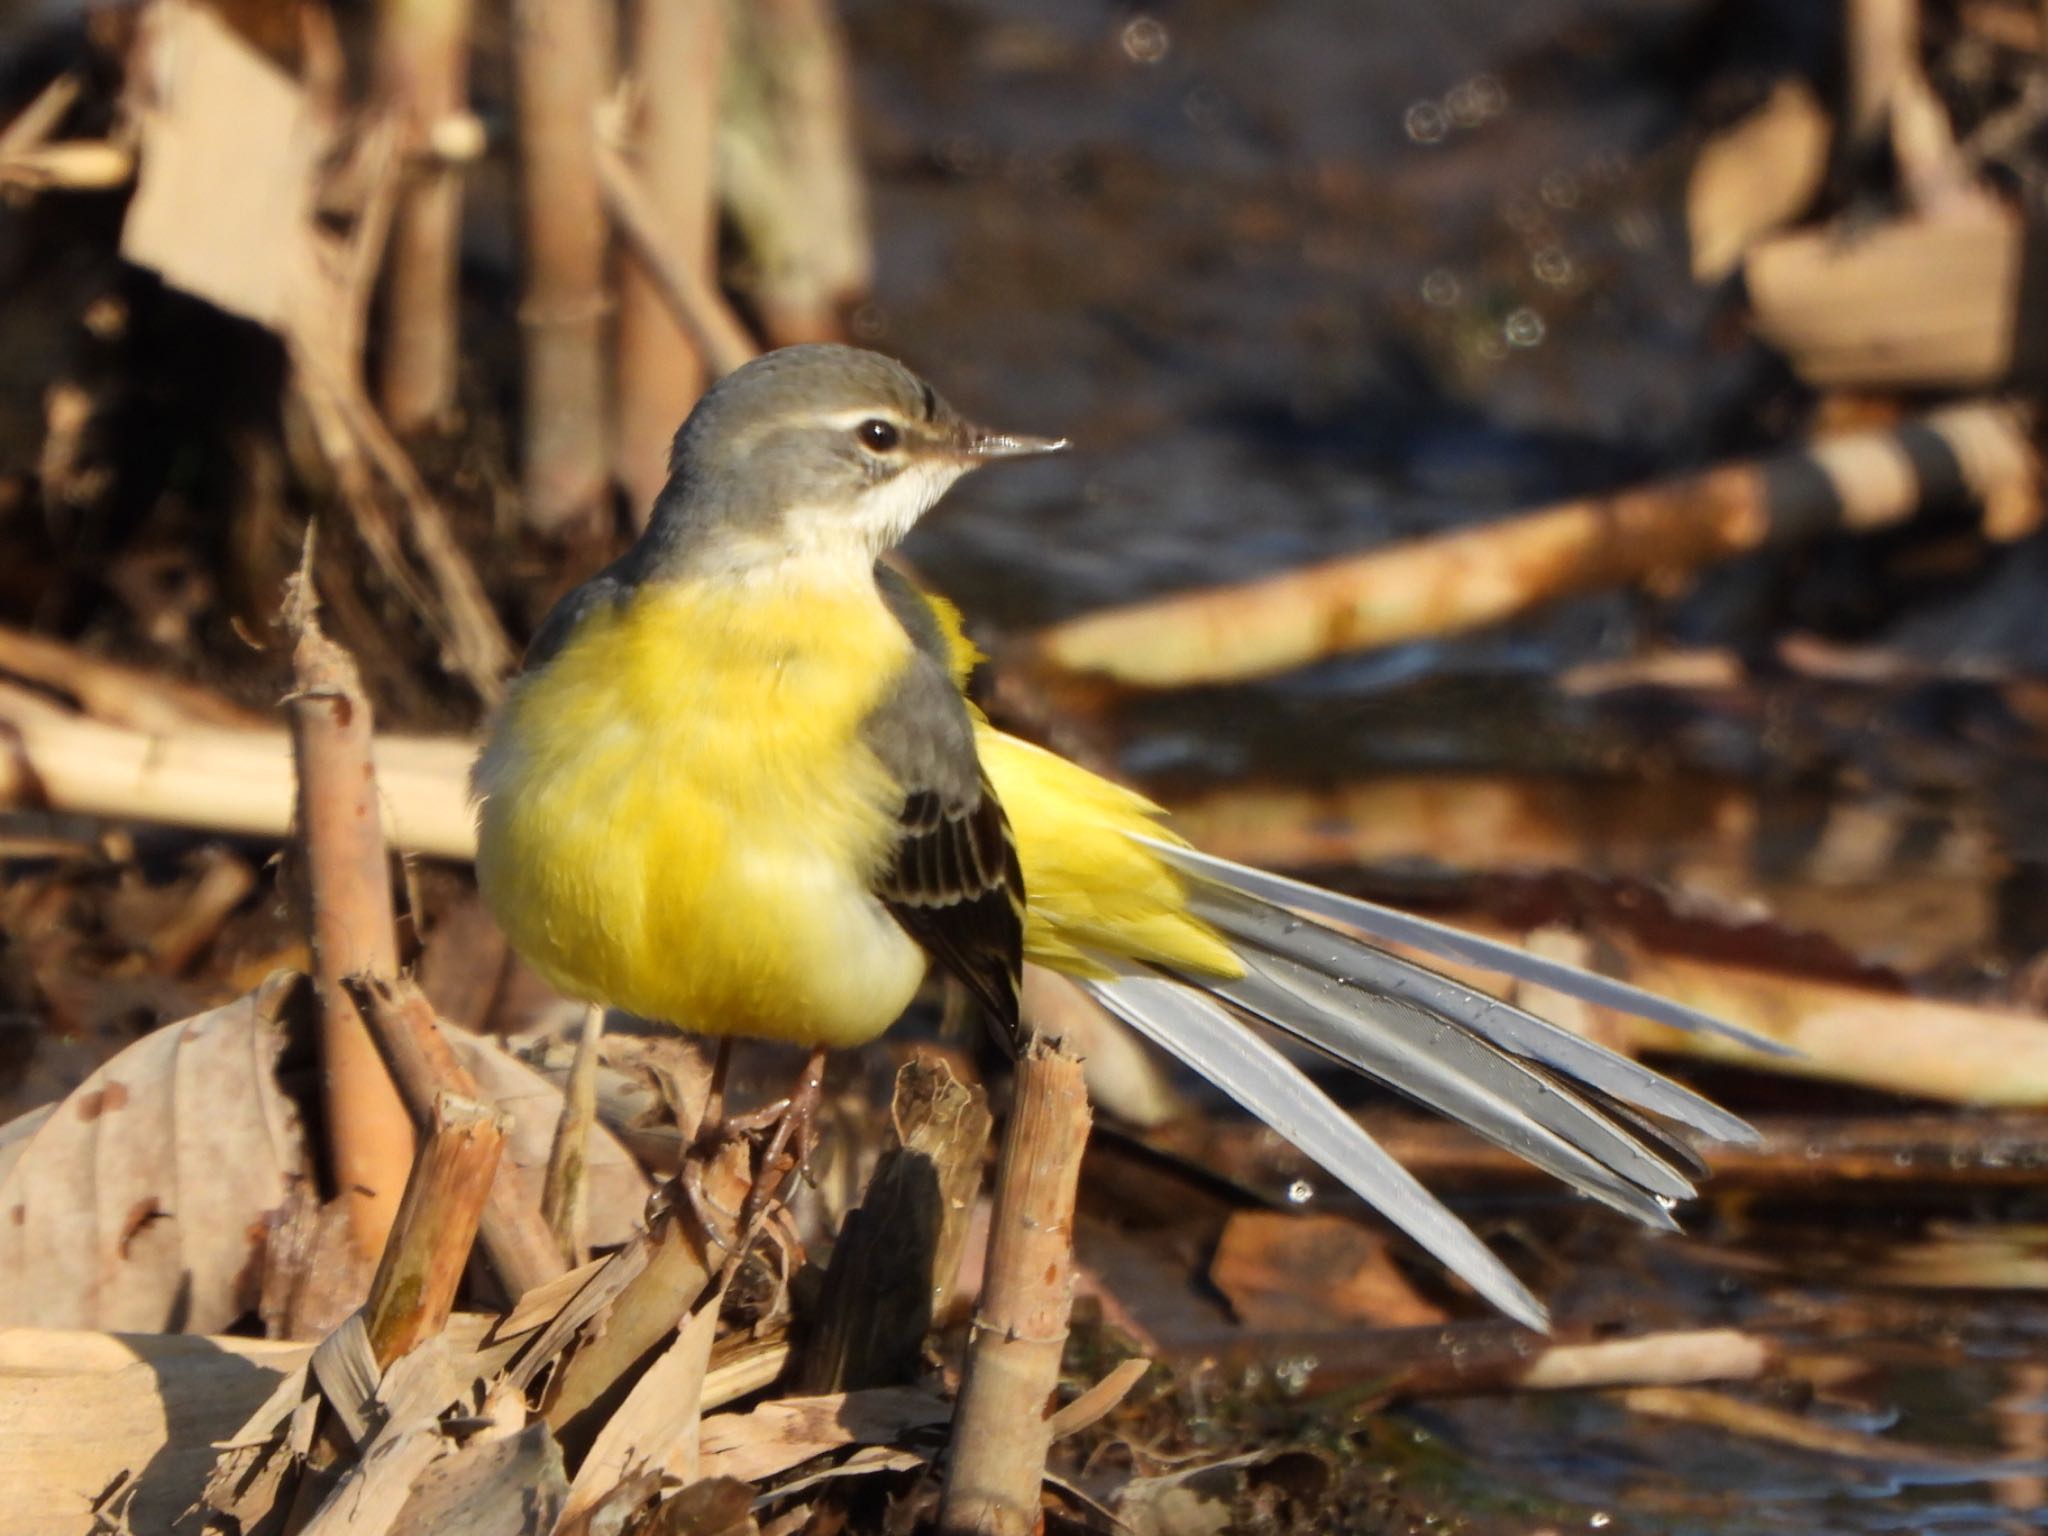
414, 1290
1465, 580
423, 68
521, 1249
1000, 1428
348, 881
678, 52
559, 70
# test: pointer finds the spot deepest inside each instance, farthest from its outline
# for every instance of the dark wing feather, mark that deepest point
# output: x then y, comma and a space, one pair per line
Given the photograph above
953, 880
955, 887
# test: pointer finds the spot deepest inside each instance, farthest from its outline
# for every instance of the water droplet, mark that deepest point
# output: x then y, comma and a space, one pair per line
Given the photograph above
1300, 1192
1523, 328
1425, 123
1440, 287
1145, 39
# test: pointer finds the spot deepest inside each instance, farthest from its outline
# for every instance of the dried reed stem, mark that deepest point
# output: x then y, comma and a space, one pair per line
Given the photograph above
690, 295
559, 65
437, 1222
678, 56
1000, 1433
422, 61
348, 877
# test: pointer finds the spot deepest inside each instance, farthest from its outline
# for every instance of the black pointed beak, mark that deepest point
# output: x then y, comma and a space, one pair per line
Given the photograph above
982, 445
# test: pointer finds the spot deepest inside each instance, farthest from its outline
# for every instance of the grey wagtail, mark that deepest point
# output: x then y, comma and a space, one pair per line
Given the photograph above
738, 788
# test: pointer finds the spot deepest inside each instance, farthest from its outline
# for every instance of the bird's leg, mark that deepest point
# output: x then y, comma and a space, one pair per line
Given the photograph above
788, 1150
712, 1122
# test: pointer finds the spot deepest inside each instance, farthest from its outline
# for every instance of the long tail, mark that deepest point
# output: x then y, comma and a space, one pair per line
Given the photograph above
1566, 1104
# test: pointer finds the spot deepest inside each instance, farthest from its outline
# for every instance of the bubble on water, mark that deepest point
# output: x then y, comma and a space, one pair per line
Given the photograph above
1425, 123
1461, 106
1523, 214
1295, 1373
1560, 189
1553, 268
1145, 40
1523, 328
1440, 287
1300, 1192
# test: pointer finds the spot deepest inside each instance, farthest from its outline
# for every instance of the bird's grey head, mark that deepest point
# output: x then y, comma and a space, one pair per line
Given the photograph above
818, 453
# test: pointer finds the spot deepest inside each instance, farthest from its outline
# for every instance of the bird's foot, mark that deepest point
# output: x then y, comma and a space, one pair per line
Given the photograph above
784, 1158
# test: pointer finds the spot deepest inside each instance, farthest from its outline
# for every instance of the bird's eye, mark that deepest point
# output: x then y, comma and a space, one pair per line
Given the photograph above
878, 434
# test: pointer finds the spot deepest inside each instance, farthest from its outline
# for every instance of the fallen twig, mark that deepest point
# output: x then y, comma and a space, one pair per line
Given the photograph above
1479, 576
221, 780
1000, 1428
1470, 1358
1799, 1152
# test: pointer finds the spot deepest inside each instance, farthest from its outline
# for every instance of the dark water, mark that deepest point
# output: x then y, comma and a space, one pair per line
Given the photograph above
1300, 278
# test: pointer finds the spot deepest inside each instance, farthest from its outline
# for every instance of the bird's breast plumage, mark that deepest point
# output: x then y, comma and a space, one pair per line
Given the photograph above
678, 815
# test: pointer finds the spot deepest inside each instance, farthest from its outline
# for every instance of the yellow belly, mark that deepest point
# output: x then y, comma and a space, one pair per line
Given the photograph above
678, 816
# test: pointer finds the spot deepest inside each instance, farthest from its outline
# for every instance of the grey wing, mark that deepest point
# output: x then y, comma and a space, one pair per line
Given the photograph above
953, 880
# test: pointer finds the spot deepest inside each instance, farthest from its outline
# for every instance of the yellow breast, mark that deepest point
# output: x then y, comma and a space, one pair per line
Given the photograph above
678, 816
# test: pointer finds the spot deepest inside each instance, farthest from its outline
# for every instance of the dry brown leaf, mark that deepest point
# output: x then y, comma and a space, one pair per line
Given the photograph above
656, 1427
777, 1436
224, 130
77, 1409
1911, 303
1284, 1271
1099, 1400
1205, 1500
142, 1203
510, 1486
1755, 176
